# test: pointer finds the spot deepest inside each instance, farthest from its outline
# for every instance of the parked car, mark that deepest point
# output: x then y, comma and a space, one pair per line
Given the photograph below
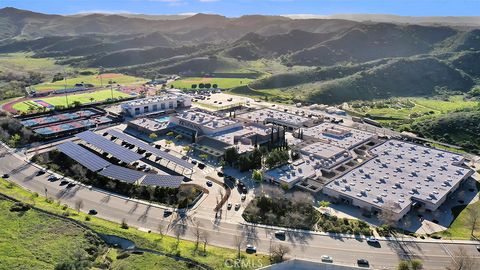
243, 197
52, 178
280, 234
41, 172
229, 205
92, 212
209, 183
363, 263
372, 240
237, 206
167, 212
326, 258
5, 175
251, 249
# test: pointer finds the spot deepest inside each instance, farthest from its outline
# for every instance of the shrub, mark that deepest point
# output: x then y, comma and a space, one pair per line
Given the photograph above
19, 207
124, 224
123, 255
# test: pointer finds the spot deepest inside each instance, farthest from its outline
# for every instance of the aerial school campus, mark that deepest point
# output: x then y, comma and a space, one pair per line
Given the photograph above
254, 174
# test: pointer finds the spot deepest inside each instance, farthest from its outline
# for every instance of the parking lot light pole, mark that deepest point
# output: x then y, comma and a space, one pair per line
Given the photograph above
65, 86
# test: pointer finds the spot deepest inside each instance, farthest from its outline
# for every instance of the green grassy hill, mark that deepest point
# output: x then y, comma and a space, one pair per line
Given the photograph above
400, 77
33, 240
459, 128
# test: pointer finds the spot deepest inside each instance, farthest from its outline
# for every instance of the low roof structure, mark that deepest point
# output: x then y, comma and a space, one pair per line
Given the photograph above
402, 172
338, 135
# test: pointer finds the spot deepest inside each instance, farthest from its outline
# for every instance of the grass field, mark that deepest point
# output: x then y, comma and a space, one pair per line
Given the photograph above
222, 83
215, 256
33, 240
417, 108
22, 62
92, 79
461, 228
80, 97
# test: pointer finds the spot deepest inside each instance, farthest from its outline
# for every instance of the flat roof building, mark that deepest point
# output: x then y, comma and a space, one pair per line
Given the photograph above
291, 174
204, 123
326, 155
156, 104
401, 175
338, 135
270, 116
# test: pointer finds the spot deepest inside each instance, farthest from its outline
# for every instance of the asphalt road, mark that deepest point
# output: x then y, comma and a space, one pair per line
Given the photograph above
303, 245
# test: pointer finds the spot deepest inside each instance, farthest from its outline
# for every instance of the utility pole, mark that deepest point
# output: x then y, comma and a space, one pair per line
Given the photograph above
65, 86
111, 90
100, 71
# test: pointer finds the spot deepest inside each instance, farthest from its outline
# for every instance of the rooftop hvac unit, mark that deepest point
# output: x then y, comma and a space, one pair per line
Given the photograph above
459, 172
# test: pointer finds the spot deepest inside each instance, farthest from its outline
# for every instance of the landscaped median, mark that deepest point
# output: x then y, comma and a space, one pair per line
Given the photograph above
215, 257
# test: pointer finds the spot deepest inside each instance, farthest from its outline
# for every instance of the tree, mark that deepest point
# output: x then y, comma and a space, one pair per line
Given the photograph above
201, 85
168, 142
462, 260
215, 85
187, 148
416, 264
197, 233
238, 242
256, 158
153, 136
76, 103
403, 265
388, 214
208, 85
278, 253
78, 205
257, 175
14, 140
205, 238
194, 86
170, 133
473, 218
161, 230
178, 137
231, 155
203, 156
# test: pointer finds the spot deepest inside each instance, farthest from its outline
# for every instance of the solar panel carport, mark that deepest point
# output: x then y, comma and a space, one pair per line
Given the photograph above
162, 180
145, 146
122, 174
83, 156
108, 146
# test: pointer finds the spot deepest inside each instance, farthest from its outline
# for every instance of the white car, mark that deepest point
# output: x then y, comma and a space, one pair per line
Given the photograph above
237, 206
326, 258
372, 240
251, 249
243, 197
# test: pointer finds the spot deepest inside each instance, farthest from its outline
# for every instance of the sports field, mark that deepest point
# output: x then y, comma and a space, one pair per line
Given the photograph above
96, 80
222, 83
61, 100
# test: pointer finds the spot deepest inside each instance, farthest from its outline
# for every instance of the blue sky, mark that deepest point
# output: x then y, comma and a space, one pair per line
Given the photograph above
234, 8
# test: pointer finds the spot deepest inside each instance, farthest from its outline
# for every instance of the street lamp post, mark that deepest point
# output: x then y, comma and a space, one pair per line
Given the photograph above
65, 86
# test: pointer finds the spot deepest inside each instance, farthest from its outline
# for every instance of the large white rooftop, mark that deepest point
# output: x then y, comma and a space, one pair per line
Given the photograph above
338, 135
294, 172
240, 137
207, 120
150, 124
270, 115
401, 172
327, 155
150, 100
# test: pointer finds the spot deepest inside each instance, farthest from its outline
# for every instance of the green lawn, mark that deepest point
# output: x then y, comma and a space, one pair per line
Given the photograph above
460, 228
421, 107
33, 240
92, 79
215, 256
22, 62
223, 83
80, 97
145, 261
